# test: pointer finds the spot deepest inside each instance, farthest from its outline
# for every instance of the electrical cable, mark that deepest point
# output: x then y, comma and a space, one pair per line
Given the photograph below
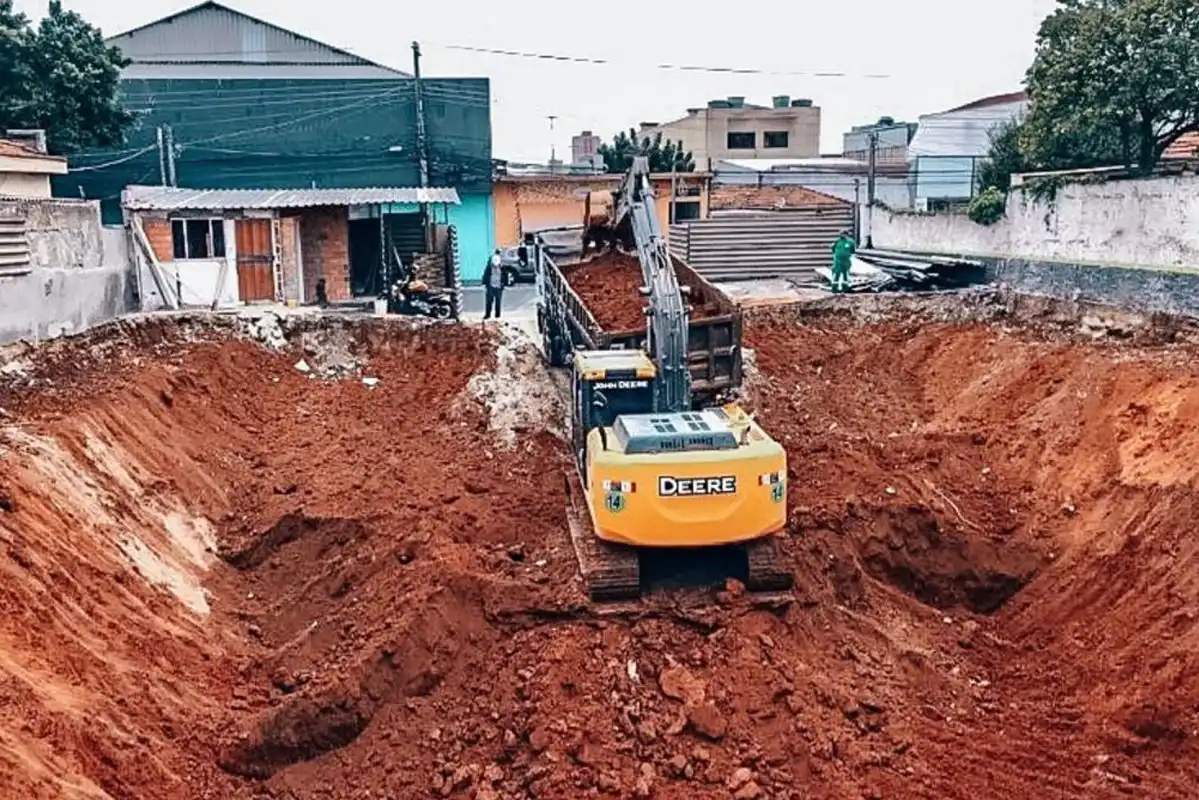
117, 162
302, 56
296, 121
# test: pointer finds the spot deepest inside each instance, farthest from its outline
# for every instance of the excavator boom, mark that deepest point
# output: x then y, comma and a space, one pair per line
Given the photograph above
667, 314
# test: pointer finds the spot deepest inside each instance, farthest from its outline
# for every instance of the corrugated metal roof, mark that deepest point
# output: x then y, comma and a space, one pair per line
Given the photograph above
214, 34
166, 198
962, 133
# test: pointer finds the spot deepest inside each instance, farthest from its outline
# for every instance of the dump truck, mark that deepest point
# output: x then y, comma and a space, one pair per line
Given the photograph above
713, 350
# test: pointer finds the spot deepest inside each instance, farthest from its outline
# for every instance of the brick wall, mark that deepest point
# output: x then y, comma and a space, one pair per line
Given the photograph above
325, 250
158, 232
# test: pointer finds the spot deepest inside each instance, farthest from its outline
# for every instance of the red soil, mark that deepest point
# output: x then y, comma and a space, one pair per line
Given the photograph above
992, 538
609, 285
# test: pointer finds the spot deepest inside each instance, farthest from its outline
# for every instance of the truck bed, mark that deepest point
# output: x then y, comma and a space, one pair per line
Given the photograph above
608, 285
600, 307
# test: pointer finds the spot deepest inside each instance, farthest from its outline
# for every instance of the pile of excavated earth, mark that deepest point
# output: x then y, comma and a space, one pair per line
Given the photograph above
327, 558
609, 285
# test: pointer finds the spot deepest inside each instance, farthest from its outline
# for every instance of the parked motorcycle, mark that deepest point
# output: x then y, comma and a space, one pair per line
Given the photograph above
413, 296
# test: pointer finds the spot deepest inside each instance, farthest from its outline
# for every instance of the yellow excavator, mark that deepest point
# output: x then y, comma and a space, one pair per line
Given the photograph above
654, 468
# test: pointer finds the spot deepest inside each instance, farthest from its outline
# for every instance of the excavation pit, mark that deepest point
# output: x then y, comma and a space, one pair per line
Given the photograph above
224, 576
911, 549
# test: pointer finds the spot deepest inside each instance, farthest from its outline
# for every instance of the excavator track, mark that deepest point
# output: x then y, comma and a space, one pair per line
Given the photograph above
611, 572
767, 572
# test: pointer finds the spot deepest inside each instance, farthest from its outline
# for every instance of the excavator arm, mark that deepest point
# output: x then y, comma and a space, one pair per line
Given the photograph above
667, 311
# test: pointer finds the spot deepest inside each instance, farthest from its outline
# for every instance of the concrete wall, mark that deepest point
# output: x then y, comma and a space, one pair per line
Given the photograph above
475, 219
78, 272
24, 184
1129, 242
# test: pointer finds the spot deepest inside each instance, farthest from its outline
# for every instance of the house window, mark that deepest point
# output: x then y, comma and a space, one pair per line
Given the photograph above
775, 139
741, 141
198, 238
685, 210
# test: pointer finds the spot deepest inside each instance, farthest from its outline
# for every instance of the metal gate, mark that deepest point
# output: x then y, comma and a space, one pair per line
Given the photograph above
789, 244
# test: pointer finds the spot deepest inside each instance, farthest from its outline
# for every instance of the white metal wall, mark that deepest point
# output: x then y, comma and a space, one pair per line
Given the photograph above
789, 244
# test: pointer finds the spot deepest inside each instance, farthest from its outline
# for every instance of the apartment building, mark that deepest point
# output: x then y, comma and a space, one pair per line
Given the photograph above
893, 139
732, 128
584, 151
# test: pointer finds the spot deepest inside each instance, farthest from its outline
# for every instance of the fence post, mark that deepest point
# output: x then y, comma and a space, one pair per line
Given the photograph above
453, 267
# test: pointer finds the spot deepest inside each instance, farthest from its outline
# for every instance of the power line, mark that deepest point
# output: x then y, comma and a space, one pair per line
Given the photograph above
324, 113
117, 162
557, 57
144, 103
300, 57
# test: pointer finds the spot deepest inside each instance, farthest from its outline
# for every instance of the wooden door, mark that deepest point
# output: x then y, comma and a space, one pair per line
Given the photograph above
255, 261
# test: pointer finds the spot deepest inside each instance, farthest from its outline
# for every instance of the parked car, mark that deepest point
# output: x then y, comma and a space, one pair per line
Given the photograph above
517, 272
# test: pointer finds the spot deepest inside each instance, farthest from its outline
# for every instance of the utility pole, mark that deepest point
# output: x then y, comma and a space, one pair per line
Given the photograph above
553, 147
162, 156
170, 148
421, 143
857, 208
870, 189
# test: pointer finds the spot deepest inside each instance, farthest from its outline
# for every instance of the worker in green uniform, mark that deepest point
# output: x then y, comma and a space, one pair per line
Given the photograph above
843, 250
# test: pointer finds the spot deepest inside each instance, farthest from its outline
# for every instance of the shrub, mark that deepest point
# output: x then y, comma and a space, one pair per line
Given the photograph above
988, 206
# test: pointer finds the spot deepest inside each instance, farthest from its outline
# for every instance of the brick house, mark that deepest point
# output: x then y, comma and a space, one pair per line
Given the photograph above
224, 247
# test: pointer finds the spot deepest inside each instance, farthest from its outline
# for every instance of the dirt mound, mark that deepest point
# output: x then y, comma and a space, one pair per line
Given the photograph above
520, 392
610, 287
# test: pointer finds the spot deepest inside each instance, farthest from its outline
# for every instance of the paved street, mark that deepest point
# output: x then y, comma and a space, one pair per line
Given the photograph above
520, 303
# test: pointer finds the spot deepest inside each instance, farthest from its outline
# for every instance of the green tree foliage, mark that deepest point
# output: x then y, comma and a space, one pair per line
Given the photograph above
1118, 78
1005, 158
664, 154
1014, 149
61, 77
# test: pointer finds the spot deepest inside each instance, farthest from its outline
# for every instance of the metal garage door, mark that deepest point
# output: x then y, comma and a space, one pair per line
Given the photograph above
789, 244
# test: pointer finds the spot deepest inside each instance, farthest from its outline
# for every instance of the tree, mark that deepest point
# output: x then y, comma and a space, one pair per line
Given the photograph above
663, 154
1120, 77
1014, 148
1005, 158
61, 77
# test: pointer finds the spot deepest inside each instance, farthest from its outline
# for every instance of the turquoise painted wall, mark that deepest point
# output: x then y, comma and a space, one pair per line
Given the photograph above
475, 220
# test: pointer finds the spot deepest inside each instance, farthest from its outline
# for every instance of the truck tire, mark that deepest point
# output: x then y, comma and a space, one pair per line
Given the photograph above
556, 349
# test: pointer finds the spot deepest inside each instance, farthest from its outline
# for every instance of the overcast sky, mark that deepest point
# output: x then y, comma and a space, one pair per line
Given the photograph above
936, 54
